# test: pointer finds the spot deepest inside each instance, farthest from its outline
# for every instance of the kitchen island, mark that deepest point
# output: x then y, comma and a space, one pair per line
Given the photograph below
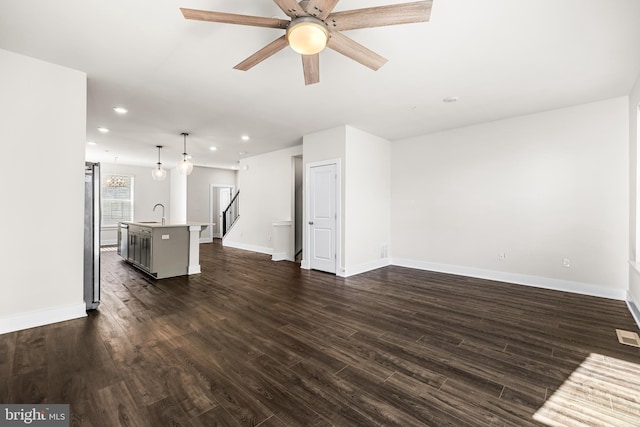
161, 250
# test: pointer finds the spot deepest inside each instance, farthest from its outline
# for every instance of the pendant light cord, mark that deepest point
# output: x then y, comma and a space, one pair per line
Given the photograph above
184, 134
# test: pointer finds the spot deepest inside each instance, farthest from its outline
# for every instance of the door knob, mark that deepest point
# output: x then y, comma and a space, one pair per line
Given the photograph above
310, 222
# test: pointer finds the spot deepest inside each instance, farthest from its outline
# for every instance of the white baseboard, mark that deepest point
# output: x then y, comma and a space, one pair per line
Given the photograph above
108, 242
519, 279
37, 318
280, 256
363, 268
206, 240
247, 247
633, 308
304, 264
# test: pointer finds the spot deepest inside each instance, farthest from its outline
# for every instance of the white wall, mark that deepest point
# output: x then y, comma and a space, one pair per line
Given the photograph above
199, 193
265, 183
367, 195
321, 146
538, 188
634, 269
146, 193
364, 230
43, 110
177, 196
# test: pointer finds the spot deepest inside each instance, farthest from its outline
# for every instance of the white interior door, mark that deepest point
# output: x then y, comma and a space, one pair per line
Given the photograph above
322, 218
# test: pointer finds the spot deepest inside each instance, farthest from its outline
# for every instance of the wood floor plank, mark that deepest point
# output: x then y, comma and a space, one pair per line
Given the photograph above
30, 352
7, 353
252, 342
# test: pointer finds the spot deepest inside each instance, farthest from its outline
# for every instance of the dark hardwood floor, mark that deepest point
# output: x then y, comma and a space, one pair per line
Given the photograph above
254, 342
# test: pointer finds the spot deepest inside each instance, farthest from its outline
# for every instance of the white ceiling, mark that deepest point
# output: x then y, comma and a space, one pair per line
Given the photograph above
501, 57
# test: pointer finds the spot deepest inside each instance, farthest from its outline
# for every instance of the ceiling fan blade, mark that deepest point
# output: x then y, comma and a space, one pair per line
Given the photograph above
320, 8
354, 50
271, 49
232, 18
290, 7
311, 68
380, 16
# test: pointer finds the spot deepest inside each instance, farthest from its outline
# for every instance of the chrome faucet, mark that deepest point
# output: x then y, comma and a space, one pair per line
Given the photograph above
162, 206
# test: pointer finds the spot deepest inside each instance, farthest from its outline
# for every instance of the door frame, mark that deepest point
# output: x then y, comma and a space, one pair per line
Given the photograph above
307, 208
213, 216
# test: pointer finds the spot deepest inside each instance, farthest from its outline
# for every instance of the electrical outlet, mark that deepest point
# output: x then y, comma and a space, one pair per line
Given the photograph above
502, 256
566, 263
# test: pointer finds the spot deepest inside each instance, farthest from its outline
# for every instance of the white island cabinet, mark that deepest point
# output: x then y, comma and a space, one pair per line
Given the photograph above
161, 250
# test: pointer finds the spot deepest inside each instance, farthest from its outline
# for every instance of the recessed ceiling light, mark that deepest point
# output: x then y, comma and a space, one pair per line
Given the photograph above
120, 110
451, 99
213, 148
245, 137
91, 143
242, 153
103, 130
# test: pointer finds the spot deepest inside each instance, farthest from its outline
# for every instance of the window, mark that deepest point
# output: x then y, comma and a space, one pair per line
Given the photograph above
117, 199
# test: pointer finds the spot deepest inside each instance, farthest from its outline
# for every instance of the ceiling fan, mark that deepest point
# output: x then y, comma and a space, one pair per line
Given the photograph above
313, 27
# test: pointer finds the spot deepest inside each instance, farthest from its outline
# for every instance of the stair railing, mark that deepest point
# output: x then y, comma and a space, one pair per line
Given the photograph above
231, 214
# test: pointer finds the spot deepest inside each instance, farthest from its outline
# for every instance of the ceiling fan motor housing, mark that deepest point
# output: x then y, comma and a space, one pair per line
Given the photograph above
307, 35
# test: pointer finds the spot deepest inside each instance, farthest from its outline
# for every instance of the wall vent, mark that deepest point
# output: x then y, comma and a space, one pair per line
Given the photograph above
628, 338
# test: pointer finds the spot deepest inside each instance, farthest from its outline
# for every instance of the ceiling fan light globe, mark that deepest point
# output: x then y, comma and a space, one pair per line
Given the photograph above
307, 37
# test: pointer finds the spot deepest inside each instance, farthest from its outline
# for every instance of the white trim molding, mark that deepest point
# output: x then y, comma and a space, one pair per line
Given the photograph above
248, 247
280, 256
281, 240
633, 308
33, 319
518, 279
365, 267
306, 241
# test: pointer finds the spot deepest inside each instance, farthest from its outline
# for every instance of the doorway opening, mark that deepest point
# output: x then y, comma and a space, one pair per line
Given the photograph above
220, 197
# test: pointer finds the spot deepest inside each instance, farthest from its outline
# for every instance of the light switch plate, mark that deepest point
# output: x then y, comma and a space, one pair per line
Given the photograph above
165, 237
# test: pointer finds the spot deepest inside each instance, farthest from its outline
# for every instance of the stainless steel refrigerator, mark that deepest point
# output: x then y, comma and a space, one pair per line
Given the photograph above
92, 235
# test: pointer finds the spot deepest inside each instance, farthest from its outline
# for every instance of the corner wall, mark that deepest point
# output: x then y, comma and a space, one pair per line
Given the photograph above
43, 110
539, 189
199, 194
321, 146
367, 207
265, 183
365, 192
633, 296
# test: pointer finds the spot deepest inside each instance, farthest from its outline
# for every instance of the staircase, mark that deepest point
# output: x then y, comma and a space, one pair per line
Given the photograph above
231, 214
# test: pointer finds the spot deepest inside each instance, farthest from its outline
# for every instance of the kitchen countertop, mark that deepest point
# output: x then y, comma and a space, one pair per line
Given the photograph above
158, 224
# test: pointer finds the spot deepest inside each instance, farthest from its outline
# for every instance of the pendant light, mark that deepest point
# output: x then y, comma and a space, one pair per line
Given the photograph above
185, 167
115, 180
158, 173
